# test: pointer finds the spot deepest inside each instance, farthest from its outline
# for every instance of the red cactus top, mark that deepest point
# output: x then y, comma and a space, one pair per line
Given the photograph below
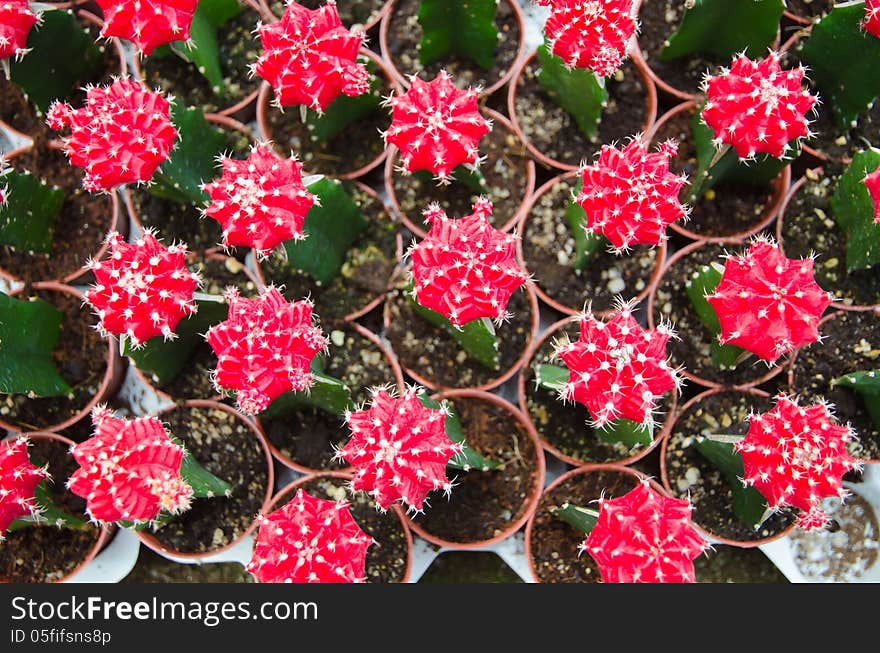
19, 479
310, 540
129, 470
872, 17
16, 20
120, 136
591, 34
399, 449
261, 201
310, 58
768, 304
872, 182
464, 268
796, 456
148, 23
436, 126
142, 289
264, 348
756, 107
630, 196
645, 537
616, 368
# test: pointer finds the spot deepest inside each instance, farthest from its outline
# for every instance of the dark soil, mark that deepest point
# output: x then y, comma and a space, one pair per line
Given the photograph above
693, 348
731, 564
153, 568
16, 110
810, 9
351, 12
218, 274
386, 560
436, 357
365, 274
565, 425
308, 436
850, 343
549, 249
552, 130
504, 171
554, 544
690, 474
725, 210
483, 504
405, 34
228, 448
453, 567
81, 358
176, 222
238, 48
45, 553
808, 227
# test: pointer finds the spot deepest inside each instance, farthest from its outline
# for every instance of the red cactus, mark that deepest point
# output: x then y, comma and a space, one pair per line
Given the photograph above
310, 540
872, 17
142, 289
121, 136
616, 368
796, 456
436, 126
148, 23
630, 196
872, 182
399, 449
768, 304
19, 479
645, 537
309, 58
466, 269
755, 106
129, 470
261, 201
16, 20
264, 348
591, 34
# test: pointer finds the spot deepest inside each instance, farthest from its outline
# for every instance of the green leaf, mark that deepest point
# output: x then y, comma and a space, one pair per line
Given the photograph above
202, 50
586, 243
50, 512
578, 91
193, 159
582, 519
28, 333
854, 211
345, 110
331, 229
627, 432
698, 287
63, 58
867, 384
749, 505
725, 27
463, 28
328, 394
204, 484
219, 12
469, 458
552, 377
477, 337
842, 57
164, 359
27, 219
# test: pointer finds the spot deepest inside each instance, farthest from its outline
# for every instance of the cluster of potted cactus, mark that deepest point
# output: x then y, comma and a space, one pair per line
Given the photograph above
626, 323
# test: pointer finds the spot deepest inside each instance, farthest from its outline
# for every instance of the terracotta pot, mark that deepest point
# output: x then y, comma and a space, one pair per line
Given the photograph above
398, 381
545, 296
489, 87
730, 380
768, 214
285, 494
415, 226
266, 96
526, 385
670, 438
494, 382
370, 23
374, 301
106, 532
527, 508
649, 113
151, 541
110, 382
630, 477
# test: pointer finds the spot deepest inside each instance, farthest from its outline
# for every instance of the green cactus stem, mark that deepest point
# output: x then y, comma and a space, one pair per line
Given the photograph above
345, 110
722, 28
578, 91
580, 518
704, 283
854, 211
50, 513
27, 219
867, 384
458, 27
204, 484
29, 331
327, 394
585, 243
469, 458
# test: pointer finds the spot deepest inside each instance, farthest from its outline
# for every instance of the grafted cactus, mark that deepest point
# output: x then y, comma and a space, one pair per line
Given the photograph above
872, 17
148, 23
872, 182
19, 479
16, 21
